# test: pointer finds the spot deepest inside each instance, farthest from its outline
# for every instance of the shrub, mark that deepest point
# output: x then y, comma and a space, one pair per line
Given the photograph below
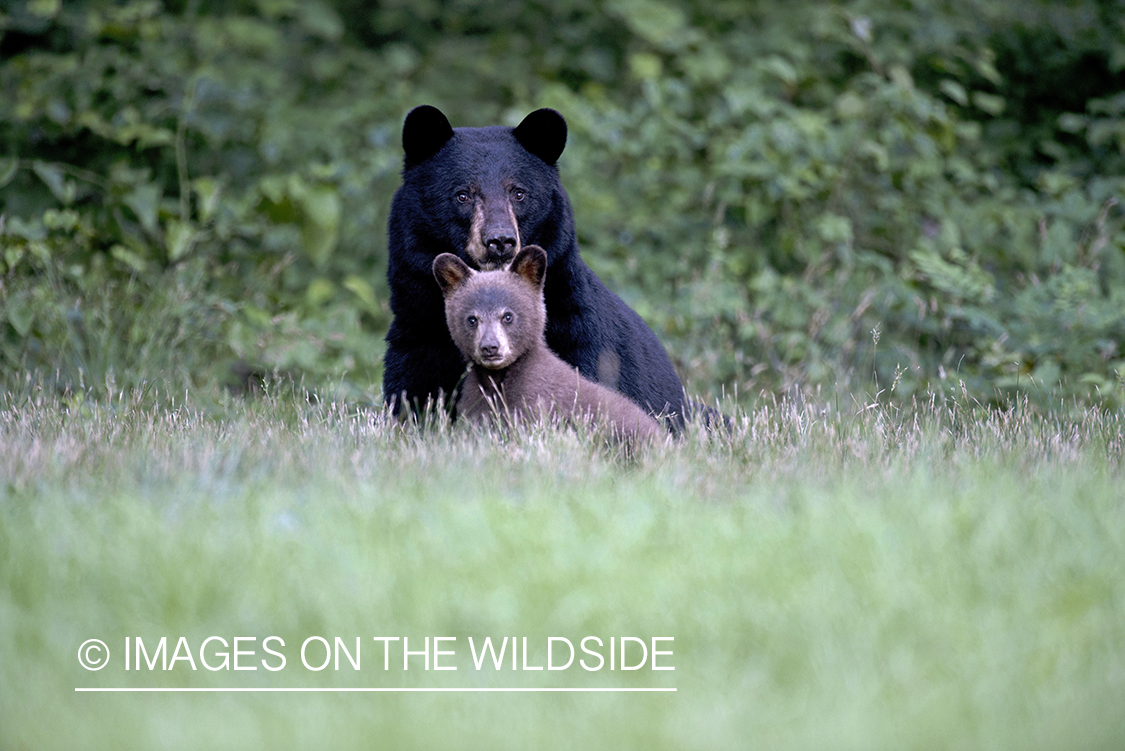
859, 197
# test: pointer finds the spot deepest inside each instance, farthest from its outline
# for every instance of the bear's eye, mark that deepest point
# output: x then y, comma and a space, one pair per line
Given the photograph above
472, 321
462, 196
507, 318
518, 194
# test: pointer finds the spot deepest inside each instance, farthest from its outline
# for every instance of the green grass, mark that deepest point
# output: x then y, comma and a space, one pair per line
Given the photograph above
918, 577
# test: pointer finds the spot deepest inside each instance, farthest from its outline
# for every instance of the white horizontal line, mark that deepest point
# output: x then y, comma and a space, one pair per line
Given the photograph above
372, 690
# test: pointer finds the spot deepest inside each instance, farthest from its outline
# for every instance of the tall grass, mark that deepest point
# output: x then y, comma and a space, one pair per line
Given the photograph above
862, 575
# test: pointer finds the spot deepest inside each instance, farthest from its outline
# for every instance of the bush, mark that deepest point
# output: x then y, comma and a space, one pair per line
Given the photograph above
191, 193
857, 197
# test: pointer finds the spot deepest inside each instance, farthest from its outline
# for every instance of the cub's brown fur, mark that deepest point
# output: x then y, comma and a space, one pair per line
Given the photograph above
497, 320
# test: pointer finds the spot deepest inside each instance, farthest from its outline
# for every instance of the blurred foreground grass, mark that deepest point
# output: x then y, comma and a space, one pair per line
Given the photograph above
920, 577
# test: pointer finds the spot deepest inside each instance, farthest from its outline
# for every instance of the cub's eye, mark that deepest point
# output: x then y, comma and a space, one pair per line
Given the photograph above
463, 196
472, 321
507, 318
518, 194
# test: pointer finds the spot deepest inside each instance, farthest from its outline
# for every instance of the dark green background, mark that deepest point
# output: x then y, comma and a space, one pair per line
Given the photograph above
846, 196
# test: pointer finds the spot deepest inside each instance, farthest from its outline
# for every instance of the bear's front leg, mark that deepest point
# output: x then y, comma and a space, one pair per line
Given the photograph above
420, 376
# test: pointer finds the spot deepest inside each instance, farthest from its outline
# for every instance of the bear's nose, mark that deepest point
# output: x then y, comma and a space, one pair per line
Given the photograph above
500, 244
489, 350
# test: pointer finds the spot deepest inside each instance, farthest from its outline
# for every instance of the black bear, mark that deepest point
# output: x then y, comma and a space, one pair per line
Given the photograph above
482, 194
497, 320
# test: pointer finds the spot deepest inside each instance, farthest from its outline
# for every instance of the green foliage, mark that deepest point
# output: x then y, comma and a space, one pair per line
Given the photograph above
820, 173
219, 161
200, 188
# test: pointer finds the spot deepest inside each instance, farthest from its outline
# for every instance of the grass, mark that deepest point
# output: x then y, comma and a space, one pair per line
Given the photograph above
925, 576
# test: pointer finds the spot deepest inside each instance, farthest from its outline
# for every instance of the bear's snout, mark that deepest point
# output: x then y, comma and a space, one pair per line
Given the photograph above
494, 234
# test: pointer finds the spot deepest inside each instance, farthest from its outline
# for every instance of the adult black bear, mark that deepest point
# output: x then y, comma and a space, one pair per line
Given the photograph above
482, 194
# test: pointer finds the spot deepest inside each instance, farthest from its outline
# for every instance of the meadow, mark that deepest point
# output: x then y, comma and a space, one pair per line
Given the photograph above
834, 574
799, 198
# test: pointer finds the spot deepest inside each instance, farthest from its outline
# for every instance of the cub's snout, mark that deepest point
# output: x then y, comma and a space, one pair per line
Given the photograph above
494, 345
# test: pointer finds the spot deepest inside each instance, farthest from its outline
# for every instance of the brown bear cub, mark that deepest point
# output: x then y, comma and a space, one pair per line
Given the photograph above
497, 319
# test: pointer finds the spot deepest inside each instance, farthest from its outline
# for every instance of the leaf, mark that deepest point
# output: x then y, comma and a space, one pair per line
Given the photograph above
645, 66
965, 280
44, 8
850, 106
128, 257
319, 292
19, 313
954, 91
144, 200
54, 178
275, 201
780, 68
320, 225
833, 228
145, 135
1071, 122
990, 103
1105, 131
207, 189
8, 170
180, 238
320, 20
363, 290
707, 65
659, 23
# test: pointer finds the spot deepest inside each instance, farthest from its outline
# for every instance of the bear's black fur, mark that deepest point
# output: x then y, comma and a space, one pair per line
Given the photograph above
482, 194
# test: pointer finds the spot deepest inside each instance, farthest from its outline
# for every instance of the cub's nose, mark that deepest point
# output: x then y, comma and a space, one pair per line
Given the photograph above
489, 350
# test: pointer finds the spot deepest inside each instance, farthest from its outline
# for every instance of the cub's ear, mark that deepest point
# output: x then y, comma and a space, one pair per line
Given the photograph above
425, 131
543, 133
531, 264
450, 272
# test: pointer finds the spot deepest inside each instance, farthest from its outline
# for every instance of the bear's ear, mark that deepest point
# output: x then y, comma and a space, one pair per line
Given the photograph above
531, 264
543, 133
425, 131
450, 272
